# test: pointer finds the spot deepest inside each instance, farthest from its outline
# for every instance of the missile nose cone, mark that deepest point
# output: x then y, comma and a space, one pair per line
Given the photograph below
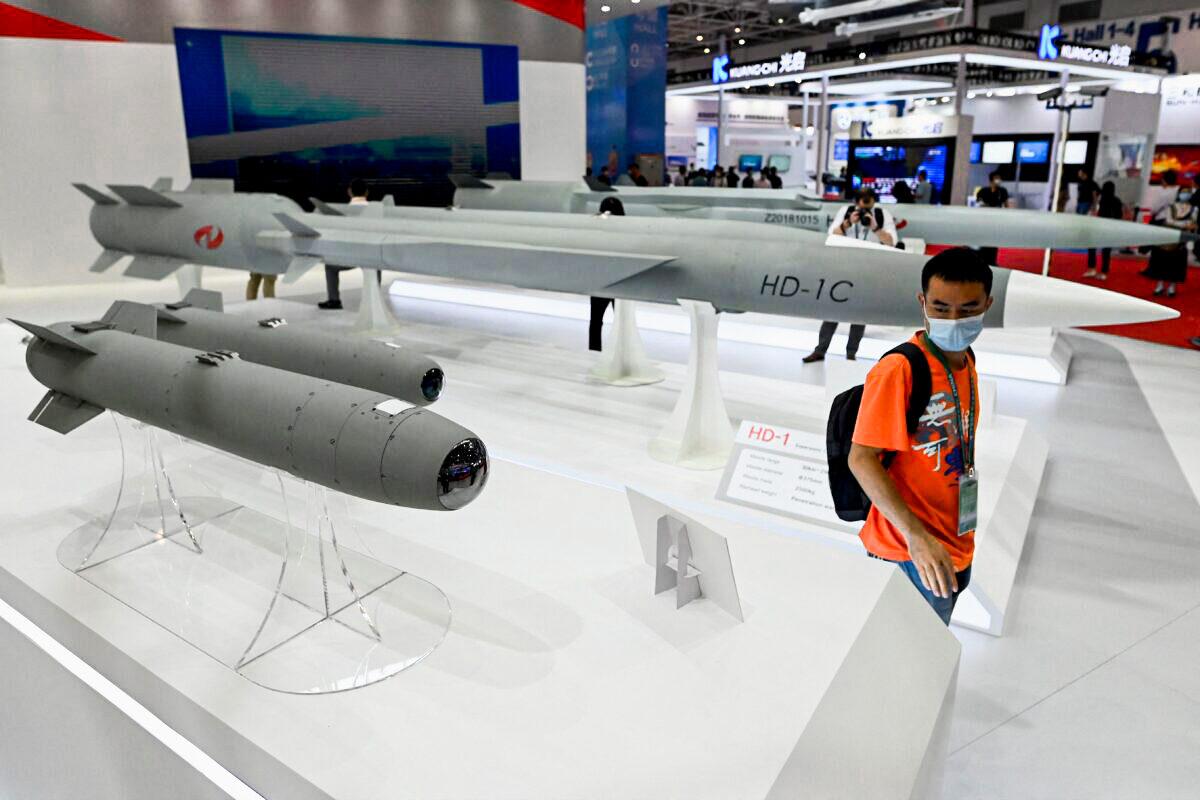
1034, 301
432, 383
463, 474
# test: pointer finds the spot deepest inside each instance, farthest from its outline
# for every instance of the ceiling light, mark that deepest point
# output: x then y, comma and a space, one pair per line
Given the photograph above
737, 30
862, 56
741, 41
770, 83
989, 92
707, 51
810, 130
605, 9
699, 38
780, 20
970, 95
635, 2
945, 99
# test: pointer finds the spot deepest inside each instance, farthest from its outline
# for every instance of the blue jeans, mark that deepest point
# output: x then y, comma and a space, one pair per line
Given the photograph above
943, 606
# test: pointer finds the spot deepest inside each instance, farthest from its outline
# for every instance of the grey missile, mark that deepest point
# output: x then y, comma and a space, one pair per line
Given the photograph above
356, 441
973, 227
198, 322
735, 266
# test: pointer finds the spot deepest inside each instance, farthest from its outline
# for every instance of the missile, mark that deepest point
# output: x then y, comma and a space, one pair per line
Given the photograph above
735, 266
354, 440
973, 227
198, 322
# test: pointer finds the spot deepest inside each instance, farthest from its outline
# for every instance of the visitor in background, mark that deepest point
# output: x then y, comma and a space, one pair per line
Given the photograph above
1087, 194
748, 181
1108, 206
718, 177
866, 221
609, 206
1168, 263
763, 182
680, 178
918, 519
994, 195
923, 193
700, 178
731, 179
333, 275
774, 179
903, 192
257, 278
604, 177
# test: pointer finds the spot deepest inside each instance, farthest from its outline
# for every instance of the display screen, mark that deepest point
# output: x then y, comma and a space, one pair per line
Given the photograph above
841, 149
976, 148
746, 163
302, 115
881, 166
1076, 151
1036, 152
998, 152
780, 162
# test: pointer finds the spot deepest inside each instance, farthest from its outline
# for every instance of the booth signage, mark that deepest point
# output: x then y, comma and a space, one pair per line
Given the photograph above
914, 126
787, 63
1051, 49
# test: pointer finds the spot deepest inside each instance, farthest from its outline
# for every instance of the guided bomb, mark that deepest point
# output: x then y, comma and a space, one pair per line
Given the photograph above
354, 440
198, 322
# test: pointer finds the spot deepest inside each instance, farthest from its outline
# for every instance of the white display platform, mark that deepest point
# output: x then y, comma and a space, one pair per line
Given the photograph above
536, 405
561, 676
1034, 355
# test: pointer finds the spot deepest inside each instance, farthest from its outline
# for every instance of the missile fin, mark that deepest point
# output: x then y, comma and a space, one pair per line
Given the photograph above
106, 259
138, 319
206, 299
165, 315
153, 268
62, 413
52, 337
465, 181
95, 195
210, 186
678, 208
389, 201
596, 185
164, 184
297, 227
300, 265
324, 208
142, 196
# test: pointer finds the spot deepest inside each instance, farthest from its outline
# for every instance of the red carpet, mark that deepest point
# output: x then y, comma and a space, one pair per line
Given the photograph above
1123, 277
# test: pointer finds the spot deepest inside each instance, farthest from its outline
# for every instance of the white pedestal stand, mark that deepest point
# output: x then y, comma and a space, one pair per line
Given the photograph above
624, 361
698, 435
374, 315
188, 278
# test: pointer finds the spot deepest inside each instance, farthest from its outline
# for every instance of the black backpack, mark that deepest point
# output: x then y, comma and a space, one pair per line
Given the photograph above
849, 499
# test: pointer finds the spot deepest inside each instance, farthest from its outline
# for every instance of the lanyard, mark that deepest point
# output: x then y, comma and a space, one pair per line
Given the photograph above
968, 443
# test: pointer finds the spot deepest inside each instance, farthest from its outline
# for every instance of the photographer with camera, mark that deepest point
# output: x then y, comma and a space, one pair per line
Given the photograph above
866, 221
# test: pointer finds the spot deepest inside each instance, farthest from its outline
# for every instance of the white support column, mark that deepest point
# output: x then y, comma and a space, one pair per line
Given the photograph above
374, 313
698, 435
1059, 152
624, 362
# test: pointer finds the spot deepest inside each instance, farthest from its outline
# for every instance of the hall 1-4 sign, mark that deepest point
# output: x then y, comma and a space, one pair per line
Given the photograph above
787, 64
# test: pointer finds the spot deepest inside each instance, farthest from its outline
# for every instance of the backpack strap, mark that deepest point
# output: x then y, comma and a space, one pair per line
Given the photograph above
922, 381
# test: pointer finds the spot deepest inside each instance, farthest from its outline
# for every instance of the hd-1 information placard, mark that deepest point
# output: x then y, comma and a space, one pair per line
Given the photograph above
781, 470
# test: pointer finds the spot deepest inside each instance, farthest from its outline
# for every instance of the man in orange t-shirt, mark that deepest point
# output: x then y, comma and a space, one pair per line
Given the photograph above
923, 502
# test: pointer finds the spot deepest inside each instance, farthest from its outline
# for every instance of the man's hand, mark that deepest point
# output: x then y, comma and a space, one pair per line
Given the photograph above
933, 564
872, 223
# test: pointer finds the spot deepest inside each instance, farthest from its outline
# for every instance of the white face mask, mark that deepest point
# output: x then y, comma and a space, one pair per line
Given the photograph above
954, 335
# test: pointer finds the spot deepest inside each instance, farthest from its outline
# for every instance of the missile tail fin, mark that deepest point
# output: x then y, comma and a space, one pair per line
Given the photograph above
142, 196
389, 201
296, 227
62, 413
164, 184
210, 186
138, 319
106, 259
300, 265
95, 195
52, 337
206, 299
324, 208
153, 268
595, 184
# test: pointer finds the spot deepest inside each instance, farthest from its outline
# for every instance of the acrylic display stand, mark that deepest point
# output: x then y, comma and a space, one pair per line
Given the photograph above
374, 314
624, 361
253, 567
698, 434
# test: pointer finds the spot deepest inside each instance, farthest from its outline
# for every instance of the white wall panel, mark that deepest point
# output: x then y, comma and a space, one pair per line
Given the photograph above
553, 121
91, 112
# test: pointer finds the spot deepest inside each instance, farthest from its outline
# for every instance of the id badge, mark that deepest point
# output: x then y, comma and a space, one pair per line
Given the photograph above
968, 503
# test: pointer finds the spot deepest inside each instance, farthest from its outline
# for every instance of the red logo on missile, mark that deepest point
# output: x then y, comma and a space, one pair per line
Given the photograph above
209, 237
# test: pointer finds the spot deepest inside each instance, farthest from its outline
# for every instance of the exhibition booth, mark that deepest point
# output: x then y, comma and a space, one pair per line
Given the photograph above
391, 530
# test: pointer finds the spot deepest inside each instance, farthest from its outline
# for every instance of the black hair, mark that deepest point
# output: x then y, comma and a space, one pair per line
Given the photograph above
1109, 189
612, 205
921, 172
358, 187
994, 174
1170, 177
633, 165
957, 265
865, 193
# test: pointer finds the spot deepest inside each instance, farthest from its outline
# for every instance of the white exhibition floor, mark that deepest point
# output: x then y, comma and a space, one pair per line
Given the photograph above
1092, 691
